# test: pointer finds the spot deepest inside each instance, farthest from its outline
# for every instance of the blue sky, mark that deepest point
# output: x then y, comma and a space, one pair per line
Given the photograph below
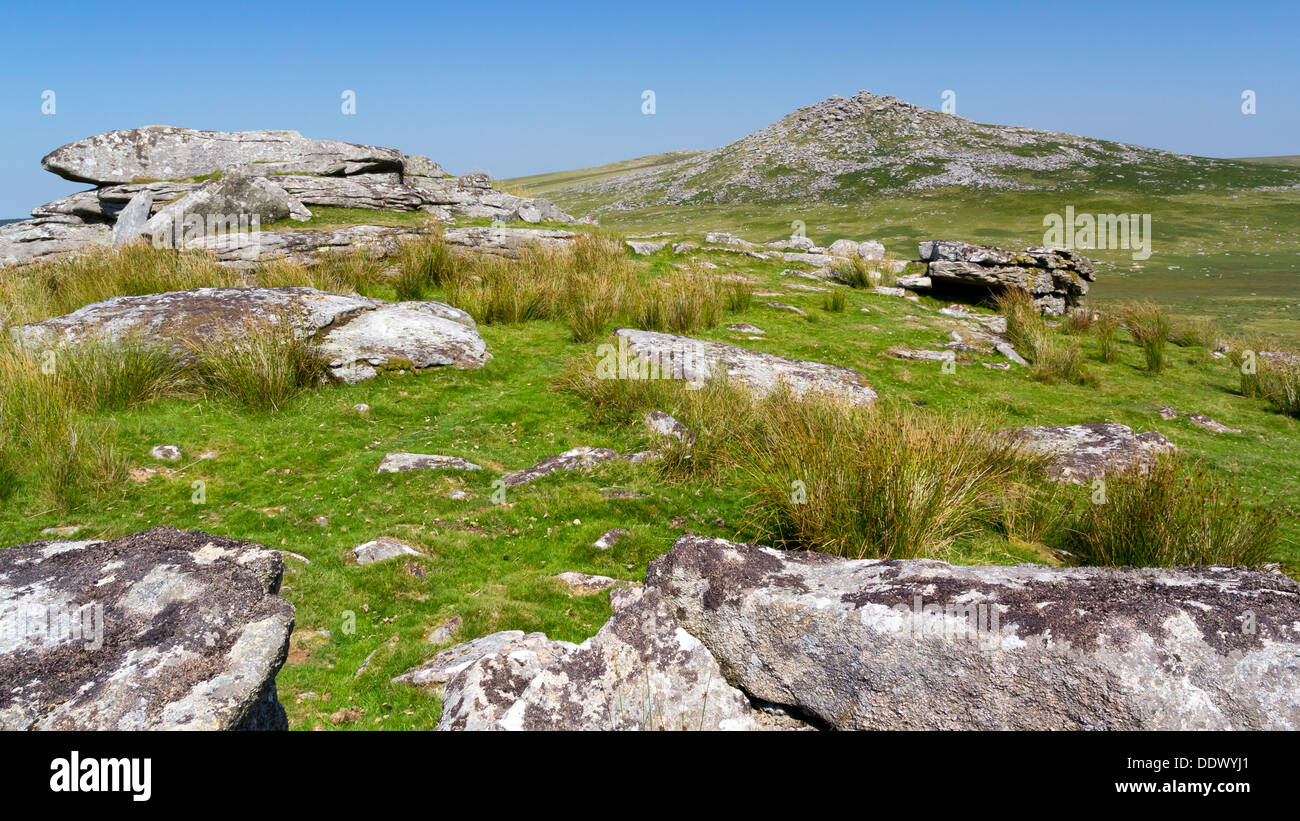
518, 88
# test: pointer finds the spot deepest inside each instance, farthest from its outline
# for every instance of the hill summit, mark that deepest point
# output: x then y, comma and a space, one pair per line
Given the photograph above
841, 148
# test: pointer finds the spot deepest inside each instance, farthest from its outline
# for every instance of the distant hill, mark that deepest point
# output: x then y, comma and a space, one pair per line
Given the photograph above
1285, 159
842, 150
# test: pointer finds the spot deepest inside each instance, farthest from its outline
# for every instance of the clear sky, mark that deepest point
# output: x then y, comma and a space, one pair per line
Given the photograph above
520, 88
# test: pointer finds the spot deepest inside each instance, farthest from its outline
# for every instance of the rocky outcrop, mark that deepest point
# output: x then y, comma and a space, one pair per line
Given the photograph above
927, 645
1078, 453
698, 362
1057, 279
161, 630
357, 337
223, 178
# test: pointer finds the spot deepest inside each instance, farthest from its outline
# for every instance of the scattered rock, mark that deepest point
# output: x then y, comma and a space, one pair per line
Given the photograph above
578, 458
477, 697
644, 248
697, 362
1206, 423
665, 425
1086, 452
167, 453
746, 328
444, 632
165, 630
382, 549
401, 462
62, 531
584, 584
609, 538
1167, 413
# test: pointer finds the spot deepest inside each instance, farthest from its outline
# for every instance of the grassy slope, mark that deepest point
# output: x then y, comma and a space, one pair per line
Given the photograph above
492, 565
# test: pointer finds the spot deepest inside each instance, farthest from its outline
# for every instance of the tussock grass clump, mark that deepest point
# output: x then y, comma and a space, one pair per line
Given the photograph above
1080, 320
834, 302
1276, 380
864, 273
423, 264
1190, 332
262, 366
683, 302
115, 375
45, 432
1175, 513
888, 482
1052, 359
1106, 329
1148, 324
739, 296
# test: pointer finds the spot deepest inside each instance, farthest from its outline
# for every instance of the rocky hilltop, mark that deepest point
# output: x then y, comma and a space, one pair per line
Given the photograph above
844, 147
149, 181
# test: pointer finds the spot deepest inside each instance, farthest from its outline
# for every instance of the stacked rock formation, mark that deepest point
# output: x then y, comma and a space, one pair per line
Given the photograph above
1056, 278
149, 181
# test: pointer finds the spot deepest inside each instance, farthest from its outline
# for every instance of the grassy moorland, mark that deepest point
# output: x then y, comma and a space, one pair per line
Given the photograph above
1227, 248
302, 477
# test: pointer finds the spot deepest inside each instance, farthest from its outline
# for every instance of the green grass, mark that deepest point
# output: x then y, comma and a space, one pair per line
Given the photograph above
492, 564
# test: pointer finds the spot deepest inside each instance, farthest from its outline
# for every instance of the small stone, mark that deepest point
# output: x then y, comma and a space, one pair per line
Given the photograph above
401, 462
361, 409
167, 453
62, 531
382, 549
584, 584
609, 538
1206, 423
444, 632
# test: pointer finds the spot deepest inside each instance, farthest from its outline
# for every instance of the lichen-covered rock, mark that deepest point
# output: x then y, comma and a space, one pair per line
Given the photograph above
926, 645
132, 219
163, 629
160, 152
697, 362
1080, 453
478, 695
578, 458
357, 337
447, 663
50, 237
585, 584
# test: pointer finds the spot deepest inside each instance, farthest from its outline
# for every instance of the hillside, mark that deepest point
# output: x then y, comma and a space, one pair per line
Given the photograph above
841, 150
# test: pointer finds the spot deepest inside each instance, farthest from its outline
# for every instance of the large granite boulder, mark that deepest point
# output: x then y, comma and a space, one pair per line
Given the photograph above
1056, 278
160, 152
160, 630
698, 362
356, 336
926, 645
1079, 453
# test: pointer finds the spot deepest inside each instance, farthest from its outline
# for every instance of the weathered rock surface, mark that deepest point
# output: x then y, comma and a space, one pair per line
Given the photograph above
173, 630
43, 238
401, 462
609, 538
449, 662
641, 671
1085, 452
160, 152
927, 645
585, 584
666, 425
696, 361
1057, 279
356, 336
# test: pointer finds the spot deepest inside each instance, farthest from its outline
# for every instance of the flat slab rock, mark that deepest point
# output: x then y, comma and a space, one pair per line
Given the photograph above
1086, 452
579, 458
381, 550
401, 462
357, 336
697, 362
160, 152
923, 644
641, 671
173, 631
